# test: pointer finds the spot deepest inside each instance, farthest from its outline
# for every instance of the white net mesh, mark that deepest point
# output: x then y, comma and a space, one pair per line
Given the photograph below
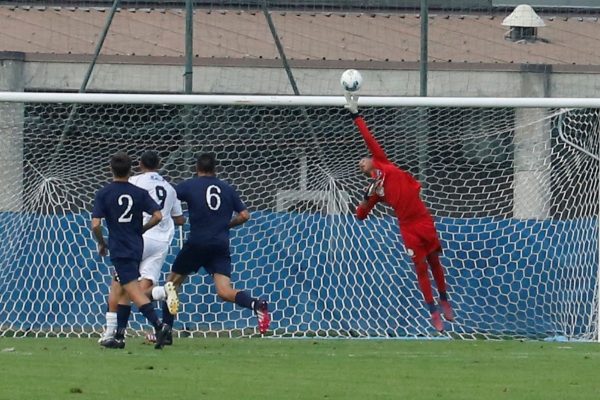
514, 193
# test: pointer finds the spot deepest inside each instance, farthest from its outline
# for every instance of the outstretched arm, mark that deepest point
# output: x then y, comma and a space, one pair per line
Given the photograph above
374, 147
365, 207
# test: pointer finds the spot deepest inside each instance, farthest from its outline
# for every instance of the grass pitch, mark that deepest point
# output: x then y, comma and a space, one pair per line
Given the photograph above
242, 369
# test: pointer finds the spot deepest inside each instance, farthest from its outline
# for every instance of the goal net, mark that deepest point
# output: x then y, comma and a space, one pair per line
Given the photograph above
514, 192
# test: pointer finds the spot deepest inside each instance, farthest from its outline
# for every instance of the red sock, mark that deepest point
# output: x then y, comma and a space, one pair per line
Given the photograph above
424, 282
437, 271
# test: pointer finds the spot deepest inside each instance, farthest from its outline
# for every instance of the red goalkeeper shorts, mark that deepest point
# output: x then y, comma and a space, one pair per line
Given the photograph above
420, 238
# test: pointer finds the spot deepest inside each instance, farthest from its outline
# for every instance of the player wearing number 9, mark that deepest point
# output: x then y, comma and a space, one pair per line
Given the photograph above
214, 208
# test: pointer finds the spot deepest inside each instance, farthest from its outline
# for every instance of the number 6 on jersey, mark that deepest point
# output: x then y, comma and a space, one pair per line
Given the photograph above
213, 198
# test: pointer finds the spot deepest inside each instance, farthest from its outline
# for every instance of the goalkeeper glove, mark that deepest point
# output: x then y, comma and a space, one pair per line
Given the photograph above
351, 103
370, 190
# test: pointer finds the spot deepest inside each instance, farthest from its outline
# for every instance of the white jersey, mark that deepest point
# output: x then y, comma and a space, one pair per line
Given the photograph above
164, 194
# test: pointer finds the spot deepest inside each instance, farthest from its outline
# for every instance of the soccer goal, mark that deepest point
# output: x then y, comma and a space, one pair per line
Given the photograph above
513, 185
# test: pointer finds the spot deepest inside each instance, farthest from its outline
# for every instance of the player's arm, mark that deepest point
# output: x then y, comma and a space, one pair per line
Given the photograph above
97, 215
239, 218
372, 144
242, 214
177, 213
97, 232
367, 204
154, 220
151, 207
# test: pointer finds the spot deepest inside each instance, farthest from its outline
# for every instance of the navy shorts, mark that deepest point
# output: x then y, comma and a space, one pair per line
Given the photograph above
215, 258
126, 270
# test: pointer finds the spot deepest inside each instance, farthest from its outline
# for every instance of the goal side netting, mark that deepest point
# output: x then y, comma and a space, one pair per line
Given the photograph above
514, 189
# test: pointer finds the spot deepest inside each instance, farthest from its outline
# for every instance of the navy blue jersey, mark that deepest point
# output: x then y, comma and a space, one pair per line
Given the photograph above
122, 205
211, 203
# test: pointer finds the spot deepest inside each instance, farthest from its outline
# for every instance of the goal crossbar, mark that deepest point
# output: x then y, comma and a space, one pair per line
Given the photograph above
365, 101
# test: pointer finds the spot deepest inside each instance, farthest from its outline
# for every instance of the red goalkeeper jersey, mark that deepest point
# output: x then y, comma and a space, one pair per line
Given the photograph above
397, 187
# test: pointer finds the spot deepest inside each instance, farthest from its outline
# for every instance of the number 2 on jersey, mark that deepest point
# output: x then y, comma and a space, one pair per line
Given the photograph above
127, 201
213, 200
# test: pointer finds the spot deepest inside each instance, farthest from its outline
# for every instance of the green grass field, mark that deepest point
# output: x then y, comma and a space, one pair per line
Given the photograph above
241, 369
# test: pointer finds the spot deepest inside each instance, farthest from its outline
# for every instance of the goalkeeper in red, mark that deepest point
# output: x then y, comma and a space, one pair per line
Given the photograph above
401, 191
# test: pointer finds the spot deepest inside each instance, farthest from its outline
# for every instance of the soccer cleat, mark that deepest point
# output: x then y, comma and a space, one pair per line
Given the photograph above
113, 343
172, 298
161, 336
169, 339
436, 321
447, 310
106, 335
262, 313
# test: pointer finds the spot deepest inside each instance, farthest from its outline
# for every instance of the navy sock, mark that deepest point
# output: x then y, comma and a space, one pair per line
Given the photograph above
148, 311
123, 313
168, 318
243, 299
431, 307
443, 296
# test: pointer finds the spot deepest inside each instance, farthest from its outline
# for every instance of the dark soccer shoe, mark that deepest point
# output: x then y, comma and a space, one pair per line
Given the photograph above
262, 313
113, 343
161, 336
169, 338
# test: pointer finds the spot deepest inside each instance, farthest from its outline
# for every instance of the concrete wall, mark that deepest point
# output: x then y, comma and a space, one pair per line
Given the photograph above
11, 135
513, 82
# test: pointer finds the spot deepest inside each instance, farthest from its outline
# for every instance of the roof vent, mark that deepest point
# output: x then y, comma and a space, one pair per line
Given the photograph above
523, 23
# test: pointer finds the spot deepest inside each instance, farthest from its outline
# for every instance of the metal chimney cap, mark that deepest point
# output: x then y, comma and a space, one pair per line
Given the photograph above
523, 16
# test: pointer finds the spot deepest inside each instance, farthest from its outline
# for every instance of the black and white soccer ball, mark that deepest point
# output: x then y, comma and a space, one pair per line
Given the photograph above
351, 80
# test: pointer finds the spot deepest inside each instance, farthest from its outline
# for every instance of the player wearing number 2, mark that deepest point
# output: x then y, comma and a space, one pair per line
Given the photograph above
212, 204
156, 247
401, 191
122, 205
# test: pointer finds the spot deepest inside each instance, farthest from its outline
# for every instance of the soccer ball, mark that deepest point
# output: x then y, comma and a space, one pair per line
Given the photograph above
351, 80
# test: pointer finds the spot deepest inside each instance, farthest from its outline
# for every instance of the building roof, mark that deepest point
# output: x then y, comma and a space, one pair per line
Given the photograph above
305, 36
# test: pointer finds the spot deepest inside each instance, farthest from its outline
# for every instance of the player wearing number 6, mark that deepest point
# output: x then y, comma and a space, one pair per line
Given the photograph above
214, 208
401, 191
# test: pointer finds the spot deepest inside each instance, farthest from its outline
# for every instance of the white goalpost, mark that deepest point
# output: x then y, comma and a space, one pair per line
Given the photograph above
513, 185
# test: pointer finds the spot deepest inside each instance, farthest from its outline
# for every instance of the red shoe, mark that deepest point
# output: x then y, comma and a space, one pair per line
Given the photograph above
436, 321
262, 313
447, 310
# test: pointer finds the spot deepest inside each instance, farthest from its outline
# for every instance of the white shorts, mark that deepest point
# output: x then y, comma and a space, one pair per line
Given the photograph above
153, 258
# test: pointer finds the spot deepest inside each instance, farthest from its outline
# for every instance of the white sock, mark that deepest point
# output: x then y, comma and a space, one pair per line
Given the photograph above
111, 324
158, 293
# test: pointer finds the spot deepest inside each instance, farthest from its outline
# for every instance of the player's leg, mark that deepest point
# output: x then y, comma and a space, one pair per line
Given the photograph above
128, 273
414, 247
218, 264
153, 259
155, 253
111, 313
433, 247
438, 275
188, 261
226, 292
425, 286
112, 338
174, 281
